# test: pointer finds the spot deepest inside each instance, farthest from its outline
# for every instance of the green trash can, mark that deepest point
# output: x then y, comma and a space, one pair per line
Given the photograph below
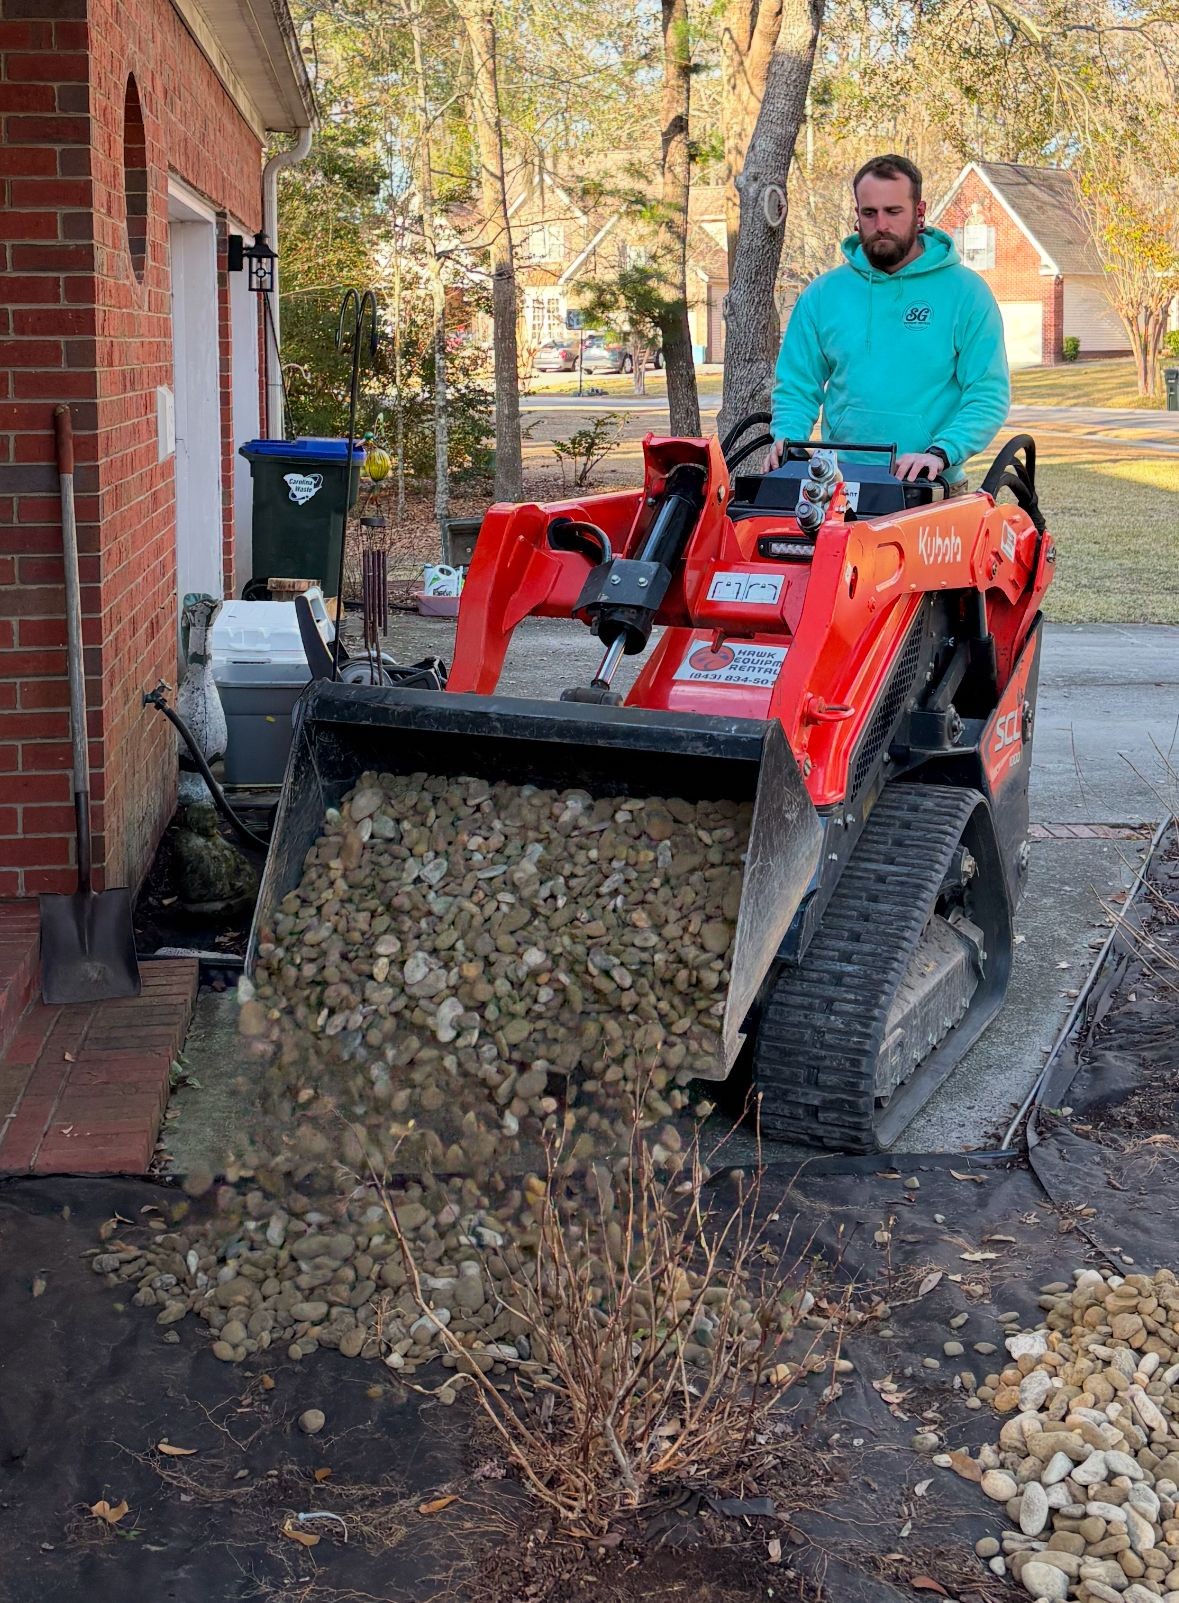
302, 493
1171, 379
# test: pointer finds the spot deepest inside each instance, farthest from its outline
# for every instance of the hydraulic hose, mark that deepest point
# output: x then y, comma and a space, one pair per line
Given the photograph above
155, 698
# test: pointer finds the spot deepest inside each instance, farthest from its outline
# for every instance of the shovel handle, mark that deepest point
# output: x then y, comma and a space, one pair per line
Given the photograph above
63, 428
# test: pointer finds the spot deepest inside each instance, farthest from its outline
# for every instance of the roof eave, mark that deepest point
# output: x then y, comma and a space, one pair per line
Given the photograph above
252, 47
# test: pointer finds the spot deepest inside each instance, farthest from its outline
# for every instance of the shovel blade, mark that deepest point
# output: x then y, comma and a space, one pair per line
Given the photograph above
88, 947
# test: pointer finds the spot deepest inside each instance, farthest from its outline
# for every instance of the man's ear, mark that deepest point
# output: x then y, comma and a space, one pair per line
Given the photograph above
921, 214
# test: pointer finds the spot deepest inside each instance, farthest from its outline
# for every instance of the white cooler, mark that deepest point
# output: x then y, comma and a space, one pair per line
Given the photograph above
260, 669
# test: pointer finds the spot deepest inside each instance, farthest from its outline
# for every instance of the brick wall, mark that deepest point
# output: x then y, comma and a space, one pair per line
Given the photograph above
48, 326
1016, 274
78, 324
1052, 327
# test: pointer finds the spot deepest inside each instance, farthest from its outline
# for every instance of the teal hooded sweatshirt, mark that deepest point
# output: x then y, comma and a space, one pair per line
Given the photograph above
914, 357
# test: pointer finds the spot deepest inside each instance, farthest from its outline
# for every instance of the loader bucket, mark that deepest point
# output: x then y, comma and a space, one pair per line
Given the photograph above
343, 730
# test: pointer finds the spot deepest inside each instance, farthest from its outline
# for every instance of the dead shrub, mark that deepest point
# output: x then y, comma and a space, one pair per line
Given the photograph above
654, 1314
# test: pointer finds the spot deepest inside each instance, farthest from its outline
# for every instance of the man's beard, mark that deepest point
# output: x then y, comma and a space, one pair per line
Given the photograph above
885, 250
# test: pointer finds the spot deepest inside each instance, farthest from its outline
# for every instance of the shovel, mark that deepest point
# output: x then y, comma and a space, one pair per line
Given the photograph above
87, 940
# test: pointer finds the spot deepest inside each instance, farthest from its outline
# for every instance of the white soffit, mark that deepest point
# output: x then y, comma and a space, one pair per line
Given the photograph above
251, 46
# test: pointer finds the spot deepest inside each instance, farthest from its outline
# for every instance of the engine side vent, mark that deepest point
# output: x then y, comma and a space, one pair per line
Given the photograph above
891, 706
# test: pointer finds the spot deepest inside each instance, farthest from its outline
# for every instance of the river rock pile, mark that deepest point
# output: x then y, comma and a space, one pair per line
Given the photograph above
464, 970
461, 960
1087, 1464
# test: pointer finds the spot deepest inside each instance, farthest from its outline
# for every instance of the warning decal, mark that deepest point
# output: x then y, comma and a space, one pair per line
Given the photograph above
754, 589
737, 664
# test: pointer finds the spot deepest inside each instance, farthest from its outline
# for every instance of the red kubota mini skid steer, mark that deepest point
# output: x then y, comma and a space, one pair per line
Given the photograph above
856, 655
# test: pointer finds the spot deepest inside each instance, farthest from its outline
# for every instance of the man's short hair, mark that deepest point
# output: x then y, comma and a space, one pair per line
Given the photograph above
890, 167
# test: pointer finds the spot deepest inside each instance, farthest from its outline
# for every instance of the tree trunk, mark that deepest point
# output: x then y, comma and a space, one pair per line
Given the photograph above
437, 289
683, 403
479, 18
750, 314
749, 33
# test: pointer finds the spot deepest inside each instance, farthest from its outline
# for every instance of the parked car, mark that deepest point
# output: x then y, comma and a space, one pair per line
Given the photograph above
603, 355
556, 356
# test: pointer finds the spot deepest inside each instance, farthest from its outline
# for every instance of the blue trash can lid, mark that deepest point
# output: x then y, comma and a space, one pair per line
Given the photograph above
307, 448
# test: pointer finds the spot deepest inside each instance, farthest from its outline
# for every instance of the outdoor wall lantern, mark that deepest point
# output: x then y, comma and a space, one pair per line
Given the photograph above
260, 259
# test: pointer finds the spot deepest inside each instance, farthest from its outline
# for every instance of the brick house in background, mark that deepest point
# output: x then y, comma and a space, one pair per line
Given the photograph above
1021, 229
131, 148
566, 232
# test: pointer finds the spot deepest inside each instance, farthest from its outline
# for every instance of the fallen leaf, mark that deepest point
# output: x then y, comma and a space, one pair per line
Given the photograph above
267, 1382
69, 1057
1062, 965
975, 1179
169, 1451
774, 1550
962, 1464
304, 1538
323, 1473
1010, 1240
906, 1529
926, 1583
437, 1504
921, 1488
977, 1257
929, 1283
39, 1284
104, 1511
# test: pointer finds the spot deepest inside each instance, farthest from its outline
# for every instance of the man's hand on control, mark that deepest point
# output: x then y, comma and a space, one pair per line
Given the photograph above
919, 464
774, 456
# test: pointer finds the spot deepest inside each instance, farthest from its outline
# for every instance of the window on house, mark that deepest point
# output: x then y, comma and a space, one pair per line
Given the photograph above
545, 242
545, 315
977, 247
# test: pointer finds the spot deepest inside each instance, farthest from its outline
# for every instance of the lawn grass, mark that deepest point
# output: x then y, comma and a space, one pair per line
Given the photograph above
1113, 515
1107, 383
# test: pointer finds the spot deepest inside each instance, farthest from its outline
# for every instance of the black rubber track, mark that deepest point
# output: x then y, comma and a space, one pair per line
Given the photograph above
821, 1030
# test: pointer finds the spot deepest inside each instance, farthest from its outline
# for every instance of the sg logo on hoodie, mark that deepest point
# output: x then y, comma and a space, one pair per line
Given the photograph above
918, 315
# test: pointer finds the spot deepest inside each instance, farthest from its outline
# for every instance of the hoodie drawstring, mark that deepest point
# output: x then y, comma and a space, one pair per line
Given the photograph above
870, 283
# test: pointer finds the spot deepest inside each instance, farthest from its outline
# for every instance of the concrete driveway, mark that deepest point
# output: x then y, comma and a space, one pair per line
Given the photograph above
1107, 731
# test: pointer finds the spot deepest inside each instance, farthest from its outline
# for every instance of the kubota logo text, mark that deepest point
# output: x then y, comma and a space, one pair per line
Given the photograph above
935, 548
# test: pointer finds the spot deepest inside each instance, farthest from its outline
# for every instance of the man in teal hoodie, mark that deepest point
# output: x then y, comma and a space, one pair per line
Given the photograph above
900, 344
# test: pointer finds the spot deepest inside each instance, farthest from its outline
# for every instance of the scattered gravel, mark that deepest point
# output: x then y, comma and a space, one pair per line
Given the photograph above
1087, 1460
465, 972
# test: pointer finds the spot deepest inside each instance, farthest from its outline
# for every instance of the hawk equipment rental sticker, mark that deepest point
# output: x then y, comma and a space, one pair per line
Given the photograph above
737, 664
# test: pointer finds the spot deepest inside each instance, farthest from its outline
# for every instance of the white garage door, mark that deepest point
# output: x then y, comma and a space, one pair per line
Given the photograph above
1089, 316
1022, 321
